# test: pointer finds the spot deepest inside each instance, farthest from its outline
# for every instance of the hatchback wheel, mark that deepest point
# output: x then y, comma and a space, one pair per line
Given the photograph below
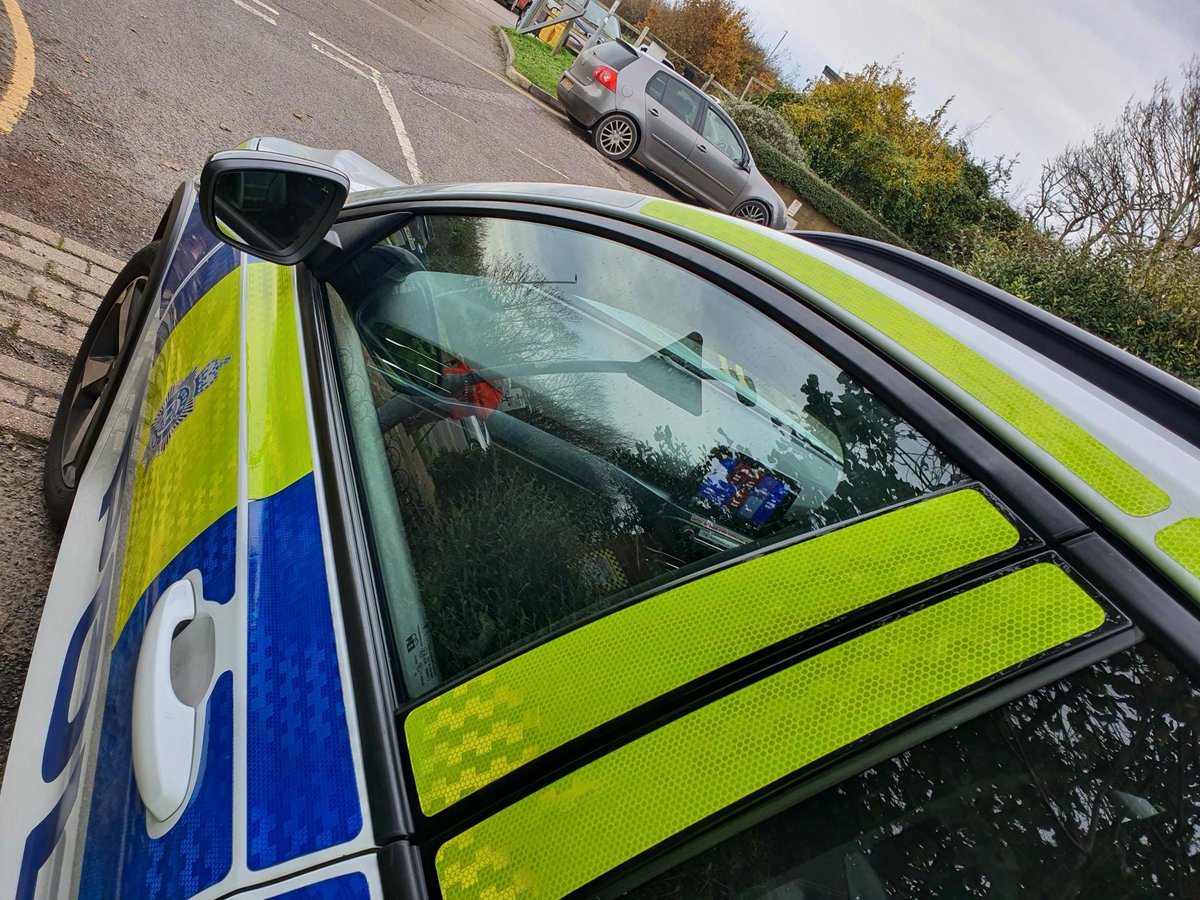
89, 390
754, 211
616, 136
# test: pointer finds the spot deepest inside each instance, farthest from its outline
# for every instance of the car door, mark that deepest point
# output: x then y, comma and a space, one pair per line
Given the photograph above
567, 478
716, 168
55, 742
673, 113
221, 749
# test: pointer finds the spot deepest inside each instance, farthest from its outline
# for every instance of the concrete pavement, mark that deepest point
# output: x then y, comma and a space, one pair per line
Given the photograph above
50, 286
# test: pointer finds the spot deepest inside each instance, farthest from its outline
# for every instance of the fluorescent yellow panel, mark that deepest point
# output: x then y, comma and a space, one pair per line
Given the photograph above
515, 712
191, 480
276, 422
607, 812
1181, 541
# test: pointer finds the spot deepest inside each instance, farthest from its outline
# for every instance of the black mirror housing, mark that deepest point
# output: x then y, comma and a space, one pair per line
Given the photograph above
273, 206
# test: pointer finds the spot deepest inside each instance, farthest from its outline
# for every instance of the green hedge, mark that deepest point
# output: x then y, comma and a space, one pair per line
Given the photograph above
1147, 312
821, 195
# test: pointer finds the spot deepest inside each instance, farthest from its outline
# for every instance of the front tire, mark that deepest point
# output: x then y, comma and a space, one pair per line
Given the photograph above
615, 136
87, 395
754, 211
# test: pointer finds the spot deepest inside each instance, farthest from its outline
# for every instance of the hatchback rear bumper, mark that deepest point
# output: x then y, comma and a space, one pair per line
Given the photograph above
585, 103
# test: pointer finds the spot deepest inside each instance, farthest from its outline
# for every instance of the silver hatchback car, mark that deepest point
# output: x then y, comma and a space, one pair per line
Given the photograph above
636, 107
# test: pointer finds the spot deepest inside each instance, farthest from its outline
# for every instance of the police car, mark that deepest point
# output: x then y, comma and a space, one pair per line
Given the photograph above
532, 541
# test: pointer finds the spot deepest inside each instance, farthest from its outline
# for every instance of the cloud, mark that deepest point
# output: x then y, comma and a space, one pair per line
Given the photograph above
1040, 75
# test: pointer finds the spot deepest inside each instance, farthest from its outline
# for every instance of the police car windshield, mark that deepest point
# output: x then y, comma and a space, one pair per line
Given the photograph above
558, 422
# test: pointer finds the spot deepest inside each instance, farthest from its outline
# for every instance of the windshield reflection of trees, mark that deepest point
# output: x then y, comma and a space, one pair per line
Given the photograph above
520, 537
1088, 788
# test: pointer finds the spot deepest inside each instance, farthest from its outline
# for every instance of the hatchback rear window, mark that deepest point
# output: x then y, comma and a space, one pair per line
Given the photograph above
615, 54
549, 423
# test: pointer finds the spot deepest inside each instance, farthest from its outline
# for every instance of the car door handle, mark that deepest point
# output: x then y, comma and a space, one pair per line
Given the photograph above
654, 112
701, 148
164, 727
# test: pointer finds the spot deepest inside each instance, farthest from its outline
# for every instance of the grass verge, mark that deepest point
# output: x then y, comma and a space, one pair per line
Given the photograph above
536, 60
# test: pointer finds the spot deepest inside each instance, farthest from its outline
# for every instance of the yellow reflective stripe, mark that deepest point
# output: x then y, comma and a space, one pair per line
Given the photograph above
276, 422
488, 726
583, 825
1181, 541
1107, 473
193, 480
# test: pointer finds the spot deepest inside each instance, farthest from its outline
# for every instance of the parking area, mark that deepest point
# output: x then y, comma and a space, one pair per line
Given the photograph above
125, 99
129, 97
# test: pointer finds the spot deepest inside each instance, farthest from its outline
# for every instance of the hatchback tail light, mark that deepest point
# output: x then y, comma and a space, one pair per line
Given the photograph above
606, 76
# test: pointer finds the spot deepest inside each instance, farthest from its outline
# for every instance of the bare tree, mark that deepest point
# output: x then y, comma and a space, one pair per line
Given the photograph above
1134, 184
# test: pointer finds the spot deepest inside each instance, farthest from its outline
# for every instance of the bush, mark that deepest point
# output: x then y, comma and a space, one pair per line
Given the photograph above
765, 125
820, 195
1149, 309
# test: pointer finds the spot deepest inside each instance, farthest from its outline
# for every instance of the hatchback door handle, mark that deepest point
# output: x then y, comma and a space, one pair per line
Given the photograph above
654, 112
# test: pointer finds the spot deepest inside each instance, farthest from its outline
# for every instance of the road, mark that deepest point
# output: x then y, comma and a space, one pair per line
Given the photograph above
131, 96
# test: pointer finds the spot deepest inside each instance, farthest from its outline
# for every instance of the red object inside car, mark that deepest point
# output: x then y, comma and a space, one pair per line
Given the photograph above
480, 395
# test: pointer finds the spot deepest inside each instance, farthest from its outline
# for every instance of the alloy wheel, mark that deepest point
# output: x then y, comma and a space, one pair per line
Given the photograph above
755, 212
616, 136
101, 359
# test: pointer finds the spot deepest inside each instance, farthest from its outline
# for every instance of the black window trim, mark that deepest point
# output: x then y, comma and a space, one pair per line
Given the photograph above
1031, 498
372, 668
660, 78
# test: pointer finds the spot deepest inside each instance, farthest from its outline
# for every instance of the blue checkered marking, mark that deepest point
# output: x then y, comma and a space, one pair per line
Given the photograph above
216, 267
344, 887
194, 242
302, 793
120, 859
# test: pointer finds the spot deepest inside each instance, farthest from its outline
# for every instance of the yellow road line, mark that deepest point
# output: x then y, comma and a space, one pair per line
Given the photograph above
16, 93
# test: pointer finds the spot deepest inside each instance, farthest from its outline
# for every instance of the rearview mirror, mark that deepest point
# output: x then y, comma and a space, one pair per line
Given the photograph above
274, 206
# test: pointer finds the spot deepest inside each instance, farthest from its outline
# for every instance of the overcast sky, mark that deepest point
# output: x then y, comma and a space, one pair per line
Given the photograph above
1039, 73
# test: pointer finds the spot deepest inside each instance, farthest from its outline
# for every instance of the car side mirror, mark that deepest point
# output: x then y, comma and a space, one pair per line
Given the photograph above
276, 207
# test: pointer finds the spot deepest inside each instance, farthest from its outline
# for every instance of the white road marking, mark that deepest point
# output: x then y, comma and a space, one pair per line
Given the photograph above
439, 106
385, 95
337, 59
406, 147
269, 9
404, 23
540, 163
257, 12
346, 53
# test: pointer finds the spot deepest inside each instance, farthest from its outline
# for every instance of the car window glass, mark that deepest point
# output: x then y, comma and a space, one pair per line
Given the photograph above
682, 102
720, 134
654, 87
568, 420
1089, 787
